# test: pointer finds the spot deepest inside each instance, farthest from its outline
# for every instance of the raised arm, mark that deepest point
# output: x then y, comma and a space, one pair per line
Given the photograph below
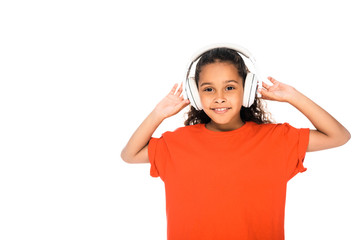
329, 132
135, 150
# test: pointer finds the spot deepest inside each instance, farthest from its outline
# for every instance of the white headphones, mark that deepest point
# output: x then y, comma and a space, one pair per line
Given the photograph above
251, 81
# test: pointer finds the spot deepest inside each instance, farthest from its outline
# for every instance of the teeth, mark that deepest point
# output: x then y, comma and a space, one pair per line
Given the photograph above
220, 109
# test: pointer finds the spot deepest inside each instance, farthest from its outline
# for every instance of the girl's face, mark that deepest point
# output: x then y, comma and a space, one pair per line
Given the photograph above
221, 94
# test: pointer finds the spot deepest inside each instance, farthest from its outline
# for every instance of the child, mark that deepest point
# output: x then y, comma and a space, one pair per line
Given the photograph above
226, 171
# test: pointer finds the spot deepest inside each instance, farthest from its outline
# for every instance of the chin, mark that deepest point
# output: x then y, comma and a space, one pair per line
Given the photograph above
220, 121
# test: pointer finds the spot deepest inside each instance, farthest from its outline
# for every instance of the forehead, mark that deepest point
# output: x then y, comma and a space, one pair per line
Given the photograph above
219, 71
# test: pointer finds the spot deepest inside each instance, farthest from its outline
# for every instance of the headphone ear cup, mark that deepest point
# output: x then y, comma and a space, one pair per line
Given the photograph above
249, 90
192, 93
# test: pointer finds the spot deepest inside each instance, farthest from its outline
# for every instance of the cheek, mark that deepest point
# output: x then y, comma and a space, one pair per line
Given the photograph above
205, 101
205, 97
236, 97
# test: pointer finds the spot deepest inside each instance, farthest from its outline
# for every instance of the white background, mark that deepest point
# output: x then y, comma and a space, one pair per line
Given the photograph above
78, 77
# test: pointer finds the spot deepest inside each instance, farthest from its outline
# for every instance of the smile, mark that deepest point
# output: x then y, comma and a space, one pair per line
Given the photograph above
220, 110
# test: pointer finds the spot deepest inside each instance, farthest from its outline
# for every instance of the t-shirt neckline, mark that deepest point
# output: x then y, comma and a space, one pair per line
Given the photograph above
226, 133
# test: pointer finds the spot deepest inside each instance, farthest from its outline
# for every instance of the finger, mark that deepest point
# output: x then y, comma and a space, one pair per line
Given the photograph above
265, 85
264, 94
267, 95
179, 91
184, 103
173, 89
272, 80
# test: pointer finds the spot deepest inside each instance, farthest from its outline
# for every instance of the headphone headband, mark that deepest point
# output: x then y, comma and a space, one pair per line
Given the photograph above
232, 46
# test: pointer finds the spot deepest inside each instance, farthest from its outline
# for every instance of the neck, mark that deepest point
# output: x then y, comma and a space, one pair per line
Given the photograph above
213, 126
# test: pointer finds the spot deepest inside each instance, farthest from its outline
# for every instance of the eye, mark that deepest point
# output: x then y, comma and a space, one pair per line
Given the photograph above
228, 88
208, 90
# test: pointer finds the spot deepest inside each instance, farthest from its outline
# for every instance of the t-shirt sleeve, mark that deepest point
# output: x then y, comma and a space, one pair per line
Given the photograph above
296, 143
158, 155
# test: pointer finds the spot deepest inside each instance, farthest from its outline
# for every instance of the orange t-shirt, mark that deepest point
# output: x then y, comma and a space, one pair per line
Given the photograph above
227, 185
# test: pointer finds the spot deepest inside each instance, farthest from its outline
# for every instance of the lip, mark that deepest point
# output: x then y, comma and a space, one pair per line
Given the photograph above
220, 110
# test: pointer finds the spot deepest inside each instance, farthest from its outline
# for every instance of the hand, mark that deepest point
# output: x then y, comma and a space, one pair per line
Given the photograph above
173, 103
277, 91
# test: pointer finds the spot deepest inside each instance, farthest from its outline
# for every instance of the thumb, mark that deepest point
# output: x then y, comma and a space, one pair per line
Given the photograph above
183, 103
178, 107
265, 94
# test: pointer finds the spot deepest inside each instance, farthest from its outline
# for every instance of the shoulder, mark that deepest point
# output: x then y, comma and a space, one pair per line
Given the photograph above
183, 131
271, 128
182, 136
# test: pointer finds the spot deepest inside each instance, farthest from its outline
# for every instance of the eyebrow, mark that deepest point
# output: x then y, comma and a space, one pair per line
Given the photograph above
228, 81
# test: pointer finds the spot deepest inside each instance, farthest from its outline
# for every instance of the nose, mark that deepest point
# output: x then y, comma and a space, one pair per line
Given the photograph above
220, 98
